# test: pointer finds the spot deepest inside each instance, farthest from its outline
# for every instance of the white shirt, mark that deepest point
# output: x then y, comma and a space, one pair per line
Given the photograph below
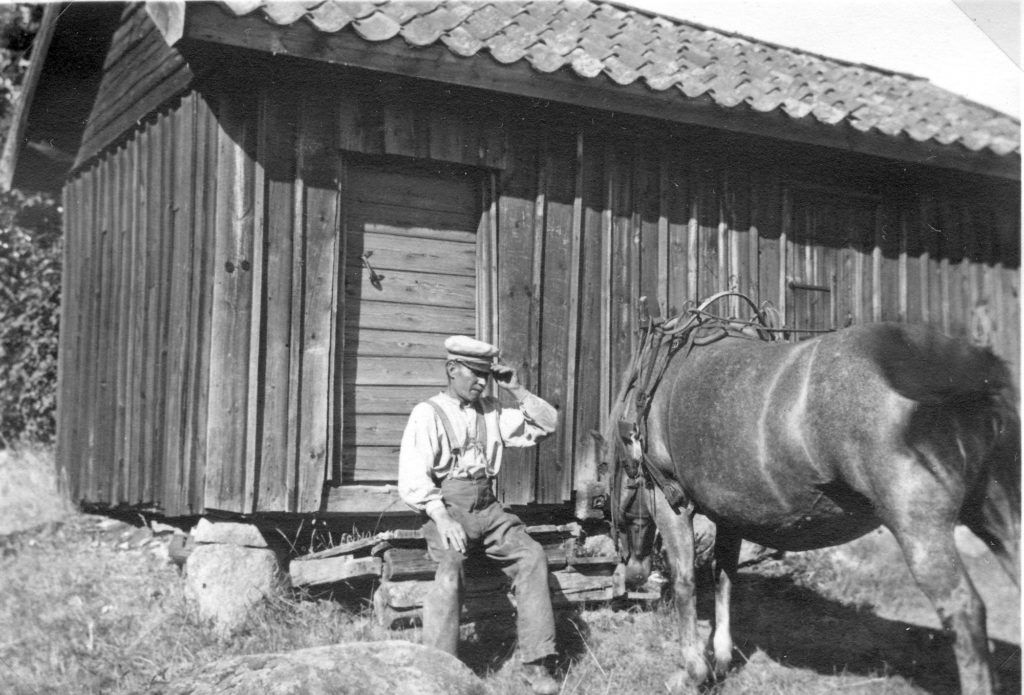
425, 458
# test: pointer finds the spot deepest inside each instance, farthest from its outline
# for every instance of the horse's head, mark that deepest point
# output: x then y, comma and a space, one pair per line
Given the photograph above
632, 512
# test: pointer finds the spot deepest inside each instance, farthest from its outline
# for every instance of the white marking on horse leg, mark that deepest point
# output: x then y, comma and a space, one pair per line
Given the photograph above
936, 566
727, 551
677, 535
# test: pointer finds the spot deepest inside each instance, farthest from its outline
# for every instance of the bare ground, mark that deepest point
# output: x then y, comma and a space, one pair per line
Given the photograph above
91, 605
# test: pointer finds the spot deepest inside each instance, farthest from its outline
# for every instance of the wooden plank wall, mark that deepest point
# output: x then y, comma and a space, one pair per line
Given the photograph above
202, 332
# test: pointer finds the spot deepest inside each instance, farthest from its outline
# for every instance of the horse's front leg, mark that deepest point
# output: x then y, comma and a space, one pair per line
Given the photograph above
727, 557
677, 536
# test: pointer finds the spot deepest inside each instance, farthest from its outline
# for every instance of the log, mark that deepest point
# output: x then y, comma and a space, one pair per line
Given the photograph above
333, 569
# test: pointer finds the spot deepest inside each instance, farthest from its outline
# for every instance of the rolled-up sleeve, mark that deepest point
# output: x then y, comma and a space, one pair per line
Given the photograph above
419, 453
526, 425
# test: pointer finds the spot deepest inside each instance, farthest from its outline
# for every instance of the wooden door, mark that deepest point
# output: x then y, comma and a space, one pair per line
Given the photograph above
411, 233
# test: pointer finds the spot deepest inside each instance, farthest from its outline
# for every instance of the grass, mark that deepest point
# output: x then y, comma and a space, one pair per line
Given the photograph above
90, 605
28, 485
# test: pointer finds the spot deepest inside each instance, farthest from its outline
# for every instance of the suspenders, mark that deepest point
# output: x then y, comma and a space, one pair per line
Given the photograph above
449, 433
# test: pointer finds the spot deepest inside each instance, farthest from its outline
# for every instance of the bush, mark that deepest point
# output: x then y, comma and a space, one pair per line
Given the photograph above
30, 265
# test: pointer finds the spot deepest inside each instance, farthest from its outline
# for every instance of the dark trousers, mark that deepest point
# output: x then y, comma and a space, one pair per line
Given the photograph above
502, 536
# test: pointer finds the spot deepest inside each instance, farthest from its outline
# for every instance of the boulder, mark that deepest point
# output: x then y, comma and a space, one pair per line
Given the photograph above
232, 532
394, 667
224, 582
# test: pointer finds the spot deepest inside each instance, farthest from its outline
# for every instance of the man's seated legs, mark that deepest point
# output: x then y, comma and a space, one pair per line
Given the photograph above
443, 606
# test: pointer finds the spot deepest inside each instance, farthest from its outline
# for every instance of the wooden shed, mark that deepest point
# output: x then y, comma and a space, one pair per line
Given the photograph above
276, 212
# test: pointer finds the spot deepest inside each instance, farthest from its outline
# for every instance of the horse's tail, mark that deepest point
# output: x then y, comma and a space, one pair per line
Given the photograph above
935, 370
993, 511
929, 367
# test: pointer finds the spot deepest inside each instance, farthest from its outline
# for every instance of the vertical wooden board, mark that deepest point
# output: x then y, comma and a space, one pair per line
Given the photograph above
85, 405
137, 354
85, 336
125, 202
231, 304
742, 276
623, 301
957, 266
914, 250
277, 130
889, 280
121, 260
588, 389
104, 364
572, 444
709, 279
165, 267
555, 311
151, 423
318, 171
677, 211
194, 464
928, 225
178, 359
517, 217
67, 468
74, 257
608, 385
647, 194
93, 263
766, 202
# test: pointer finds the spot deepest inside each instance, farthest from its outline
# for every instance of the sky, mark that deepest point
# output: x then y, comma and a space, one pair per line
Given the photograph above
971, 47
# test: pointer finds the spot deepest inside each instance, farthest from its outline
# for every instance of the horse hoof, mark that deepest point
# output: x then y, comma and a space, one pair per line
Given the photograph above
680, 683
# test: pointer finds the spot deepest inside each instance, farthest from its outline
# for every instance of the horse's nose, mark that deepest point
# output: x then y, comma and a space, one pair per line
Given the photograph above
637, 571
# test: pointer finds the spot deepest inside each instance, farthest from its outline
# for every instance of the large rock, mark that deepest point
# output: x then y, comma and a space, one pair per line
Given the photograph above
224, 582
394, 667
231, 532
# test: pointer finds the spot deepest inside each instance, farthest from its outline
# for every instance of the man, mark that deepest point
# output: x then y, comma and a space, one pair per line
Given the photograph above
451, 451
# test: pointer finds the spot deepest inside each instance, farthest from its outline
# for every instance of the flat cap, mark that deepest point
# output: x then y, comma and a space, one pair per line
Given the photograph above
475, 354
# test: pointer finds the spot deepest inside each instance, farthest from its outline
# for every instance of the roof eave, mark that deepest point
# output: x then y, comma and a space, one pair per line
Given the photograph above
210, 23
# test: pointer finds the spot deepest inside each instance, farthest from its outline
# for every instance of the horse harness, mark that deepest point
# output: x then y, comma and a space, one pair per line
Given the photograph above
660, 341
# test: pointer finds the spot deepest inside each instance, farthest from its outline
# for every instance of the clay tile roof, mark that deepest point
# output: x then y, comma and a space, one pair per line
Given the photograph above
591, 38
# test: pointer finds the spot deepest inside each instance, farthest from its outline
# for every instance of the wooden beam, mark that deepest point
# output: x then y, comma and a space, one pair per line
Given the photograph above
208, 23
787, 227
606, 286
572, 335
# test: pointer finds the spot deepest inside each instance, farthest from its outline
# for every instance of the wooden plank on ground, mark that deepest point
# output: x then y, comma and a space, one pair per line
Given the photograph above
333, 569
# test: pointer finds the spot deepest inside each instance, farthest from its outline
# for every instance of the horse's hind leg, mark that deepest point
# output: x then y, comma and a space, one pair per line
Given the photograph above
727, 556
677, 537
931, 554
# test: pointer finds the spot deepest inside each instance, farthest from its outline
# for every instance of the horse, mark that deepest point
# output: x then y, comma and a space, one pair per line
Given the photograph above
810, 444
